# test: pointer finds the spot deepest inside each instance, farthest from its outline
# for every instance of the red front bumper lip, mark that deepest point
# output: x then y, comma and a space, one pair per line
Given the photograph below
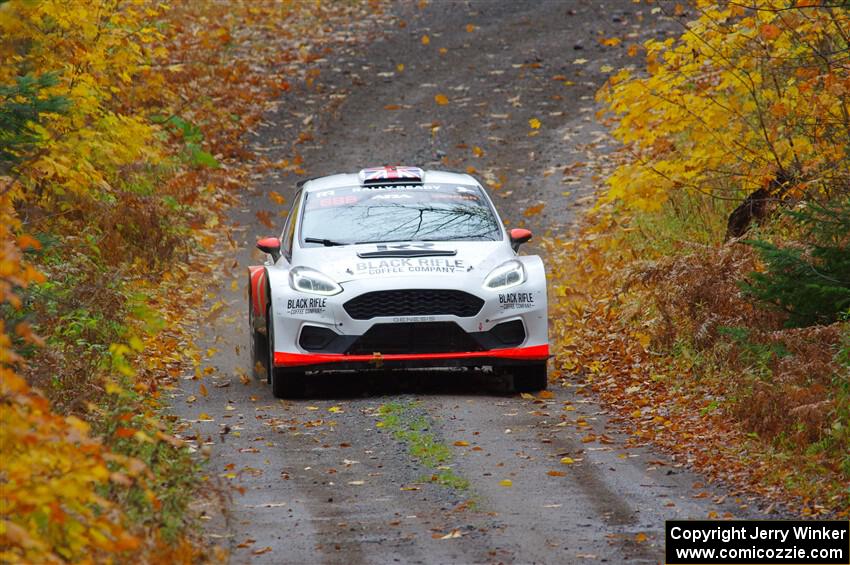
533, 353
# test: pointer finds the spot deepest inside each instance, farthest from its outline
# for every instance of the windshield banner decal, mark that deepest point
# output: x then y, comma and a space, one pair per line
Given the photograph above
410, 265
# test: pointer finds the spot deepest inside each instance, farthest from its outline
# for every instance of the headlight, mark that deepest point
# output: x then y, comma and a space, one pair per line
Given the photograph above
505, 275
309, 280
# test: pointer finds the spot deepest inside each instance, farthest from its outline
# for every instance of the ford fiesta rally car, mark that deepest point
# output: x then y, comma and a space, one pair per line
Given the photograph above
396, 267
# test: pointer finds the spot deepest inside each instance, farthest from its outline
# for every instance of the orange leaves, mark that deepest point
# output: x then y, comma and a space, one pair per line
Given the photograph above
769, 31
27, 242
36, 442
534, 210
441, 99
265, 218
425, 40
125, 432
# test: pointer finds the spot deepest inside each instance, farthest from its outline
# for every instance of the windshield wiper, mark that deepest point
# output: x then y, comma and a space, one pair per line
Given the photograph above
386, 241
325, 242
480, 236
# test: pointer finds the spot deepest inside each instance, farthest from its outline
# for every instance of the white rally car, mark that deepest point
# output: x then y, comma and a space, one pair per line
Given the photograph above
396, 267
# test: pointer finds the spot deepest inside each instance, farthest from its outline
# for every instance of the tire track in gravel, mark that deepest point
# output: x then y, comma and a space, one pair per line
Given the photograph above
317, 480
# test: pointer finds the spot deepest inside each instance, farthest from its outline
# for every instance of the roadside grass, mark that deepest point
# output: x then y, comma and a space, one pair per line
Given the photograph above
413, 429
686, 221
138, 428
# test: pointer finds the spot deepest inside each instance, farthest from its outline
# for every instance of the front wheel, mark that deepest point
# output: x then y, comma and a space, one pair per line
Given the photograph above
530, 378
285, 384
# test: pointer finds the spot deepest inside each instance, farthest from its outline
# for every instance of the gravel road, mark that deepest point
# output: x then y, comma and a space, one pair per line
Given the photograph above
336, 478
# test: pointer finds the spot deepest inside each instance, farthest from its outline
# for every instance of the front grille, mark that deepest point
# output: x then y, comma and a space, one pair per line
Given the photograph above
426, 337
413, 302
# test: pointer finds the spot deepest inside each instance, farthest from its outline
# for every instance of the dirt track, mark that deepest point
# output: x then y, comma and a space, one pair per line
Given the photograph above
321, 480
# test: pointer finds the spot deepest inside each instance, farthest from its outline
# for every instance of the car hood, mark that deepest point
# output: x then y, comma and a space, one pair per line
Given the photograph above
438, 259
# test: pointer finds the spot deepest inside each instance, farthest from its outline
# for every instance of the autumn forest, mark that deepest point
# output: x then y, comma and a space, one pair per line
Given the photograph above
684, 165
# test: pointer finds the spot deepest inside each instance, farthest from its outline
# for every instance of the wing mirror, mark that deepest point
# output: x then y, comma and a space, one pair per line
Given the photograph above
519, 236
270, 245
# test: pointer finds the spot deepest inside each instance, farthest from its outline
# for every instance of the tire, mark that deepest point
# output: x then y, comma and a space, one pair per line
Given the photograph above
259, 348
530, 378
285, 384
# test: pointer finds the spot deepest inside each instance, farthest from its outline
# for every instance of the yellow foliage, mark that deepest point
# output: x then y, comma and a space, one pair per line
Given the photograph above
721, 111
93, 46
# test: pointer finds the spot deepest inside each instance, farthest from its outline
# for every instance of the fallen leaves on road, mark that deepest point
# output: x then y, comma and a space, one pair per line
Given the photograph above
534, 210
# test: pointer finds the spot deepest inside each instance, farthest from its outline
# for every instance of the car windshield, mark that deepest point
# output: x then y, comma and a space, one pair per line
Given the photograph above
380, 214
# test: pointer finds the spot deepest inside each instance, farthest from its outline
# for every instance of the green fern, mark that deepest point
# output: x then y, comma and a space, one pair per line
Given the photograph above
809, 282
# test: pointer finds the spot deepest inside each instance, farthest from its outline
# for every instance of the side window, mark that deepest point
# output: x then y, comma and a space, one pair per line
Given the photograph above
289, 228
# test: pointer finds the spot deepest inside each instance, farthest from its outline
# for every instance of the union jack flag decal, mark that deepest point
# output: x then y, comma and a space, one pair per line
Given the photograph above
375, 174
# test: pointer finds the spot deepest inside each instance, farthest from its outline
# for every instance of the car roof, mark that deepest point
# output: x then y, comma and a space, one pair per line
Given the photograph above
353, 179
